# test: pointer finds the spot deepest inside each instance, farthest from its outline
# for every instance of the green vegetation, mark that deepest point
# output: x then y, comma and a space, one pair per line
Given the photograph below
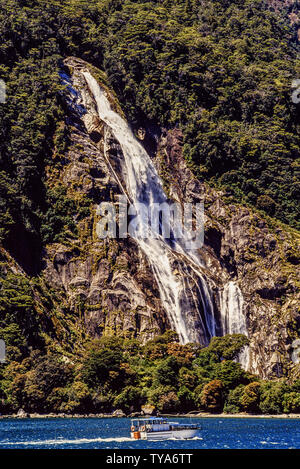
120, 373
220, 71
19, 322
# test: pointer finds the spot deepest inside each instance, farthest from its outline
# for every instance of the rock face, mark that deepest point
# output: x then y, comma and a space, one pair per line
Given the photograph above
148, 409
22, 414
118, 413
241, 245
107, 285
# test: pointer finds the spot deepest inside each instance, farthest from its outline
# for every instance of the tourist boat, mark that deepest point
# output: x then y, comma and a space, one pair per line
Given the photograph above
158, 428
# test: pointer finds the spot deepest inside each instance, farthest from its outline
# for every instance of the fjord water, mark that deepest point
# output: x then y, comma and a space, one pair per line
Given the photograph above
113, 433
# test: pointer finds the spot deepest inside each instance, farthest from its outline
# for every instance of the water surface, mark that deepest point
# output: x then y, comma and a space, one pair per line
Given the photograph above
113, 433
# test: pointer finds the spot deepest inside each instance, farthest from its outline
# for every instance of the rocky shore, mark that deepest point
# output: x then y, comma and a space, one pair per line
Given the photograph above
120, 414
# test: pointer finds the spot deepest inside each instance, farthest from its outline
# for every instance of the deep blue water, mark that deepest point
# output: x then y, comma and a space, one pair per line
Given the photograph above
233, 433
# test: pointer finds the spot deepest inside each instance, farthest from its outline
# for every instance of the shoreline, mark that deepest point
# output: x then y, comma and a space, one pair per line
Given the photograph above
109, 416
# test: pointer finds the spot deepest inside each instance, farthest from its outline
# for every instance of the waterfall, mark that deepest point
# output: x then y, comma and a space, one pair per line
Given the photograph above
144, 186
232, 317
295, 351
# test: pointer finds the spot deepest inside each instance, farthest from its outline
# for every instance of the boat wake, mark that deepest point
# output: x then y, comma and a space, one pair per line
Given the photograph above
61, 441
184, 439
77, 441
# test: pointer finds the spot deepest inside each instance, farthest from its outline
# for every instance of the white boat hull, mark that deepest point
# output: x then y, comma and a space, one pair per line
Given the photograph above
168, 435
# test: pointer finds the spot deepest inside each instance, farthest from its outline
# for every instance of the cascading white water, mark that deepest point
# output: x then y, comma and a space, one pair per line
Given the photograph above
232, 317
143, 185
233, 322
295, 351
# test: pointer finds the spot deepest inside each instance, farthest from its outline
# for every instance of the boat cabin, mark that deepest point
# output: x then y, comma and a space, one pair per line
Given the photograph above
154, 424
155, 428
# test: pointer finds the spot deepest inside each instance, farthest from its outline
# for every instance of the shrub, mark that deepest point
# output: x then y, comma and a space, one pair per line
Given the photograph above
212, 396
271, 397
168, 402
233, 401
291, 402
250, 397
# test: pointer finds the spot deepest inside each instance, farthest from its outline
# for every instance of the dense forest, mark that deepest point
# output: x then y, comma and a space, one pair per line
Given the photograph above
219, 70
117, 373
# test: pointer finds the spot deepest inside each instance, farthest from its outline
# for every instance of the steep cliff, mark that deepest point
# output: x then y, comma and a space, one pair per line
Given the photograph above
246, 247
248, 261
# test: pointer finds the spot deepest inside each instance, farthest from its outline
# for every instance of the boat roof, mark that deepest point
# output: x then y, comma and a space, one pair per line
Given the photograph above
148, 418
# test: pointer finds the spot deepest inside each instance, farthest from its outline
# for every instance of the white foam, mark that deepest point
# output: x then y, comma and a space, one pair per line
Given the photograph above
62, 441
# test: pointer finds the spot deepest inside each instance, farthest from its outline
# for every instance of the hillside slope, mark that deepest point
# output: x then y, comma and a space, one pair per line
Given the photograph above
206, 89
